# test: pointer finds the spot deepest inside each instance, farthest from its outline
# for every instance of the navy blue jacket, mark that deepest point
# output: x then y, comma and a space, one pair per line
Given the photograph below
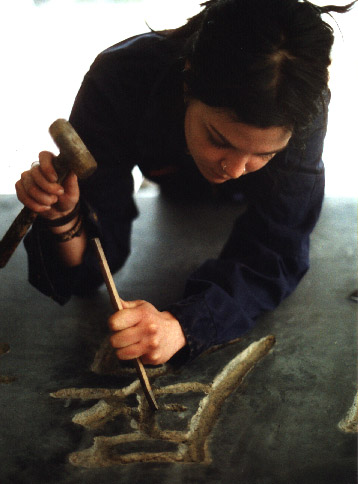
130, 111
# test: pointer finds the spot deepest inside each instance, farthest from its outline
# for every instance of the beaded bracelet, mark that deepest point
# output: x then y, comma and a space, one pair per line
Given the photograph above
76, 231
58, 222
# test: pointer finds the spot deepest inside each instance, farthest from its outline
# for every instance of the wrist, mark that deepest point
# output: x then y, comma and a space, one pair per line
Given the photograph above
178, 337
65, 233
65, 219
66, 227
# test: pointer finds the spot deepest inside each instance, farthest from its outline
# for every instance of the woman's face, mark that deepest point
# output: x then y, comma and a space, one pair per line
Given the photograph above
224, 149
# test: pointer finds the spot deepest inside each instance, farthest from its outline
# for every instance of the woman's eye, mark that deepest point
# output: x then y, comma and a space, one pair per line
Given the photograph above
267, 157
216, 143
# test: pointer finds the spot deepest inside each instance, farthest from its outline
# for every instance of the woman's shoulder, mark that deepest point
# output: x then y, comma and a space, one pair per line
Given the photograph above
131, 66
140, 53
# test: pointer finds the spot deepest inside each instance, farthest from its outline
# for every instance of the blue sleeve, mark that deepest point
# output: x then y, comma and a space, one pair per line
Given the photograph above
267, 253
106, 197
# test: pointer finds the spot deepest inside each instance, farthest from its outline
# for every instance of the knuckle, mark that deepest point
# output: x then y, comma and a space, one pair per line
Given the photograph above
146, 306
127, 353
115, 318
18, 185
113, 339
121, 355
140, 302
112, 321
152, 328
23, 175
153, 343
155, 358
20, 192
45, 156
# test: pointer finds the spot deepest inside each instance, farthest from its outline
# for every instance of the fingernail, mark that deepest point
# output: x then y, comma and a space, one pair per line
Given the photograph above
60, 191
53, 178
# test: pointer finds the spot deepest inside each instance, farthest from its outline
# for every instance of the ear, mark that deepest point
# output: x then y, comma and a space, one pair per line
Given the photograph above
186, 94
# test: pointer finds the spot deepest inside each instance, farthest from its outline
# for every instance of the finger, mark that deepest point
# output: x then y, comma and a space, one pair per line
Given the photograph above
43, 183
47, 168
132, 304
70, 185
125, 338
28, 201
35, 192
138, 350
124, 319
153, 359
130, 352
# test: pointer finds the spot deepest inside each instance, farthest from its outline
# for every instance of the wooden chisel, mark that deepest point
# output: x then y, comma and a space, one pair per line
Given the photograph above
118, 306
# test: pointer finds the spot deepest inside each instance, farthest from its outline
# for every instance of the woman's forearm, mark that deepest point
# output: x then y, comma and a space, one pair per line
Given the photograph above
72, 250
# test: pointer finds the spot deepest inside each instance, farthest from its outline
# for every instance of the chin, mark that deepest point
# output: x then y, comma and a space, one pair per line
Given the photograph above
218, 181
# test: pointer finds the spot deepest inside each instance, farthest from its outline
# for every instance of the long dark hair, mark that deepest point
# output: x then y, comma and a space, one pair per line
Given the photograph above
266, 61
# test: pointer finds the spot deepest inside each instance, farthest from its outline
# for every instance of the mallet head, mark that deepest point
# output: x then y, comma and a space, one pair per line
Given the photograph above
74, 155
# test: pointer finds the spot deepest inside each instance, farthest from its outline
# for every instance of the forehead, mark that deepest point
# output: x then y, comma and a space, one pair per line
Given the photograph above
239, 134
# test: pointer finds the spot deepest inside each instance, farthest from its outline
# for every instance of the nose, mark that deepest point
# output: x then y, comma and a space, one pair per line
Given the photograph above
235, 167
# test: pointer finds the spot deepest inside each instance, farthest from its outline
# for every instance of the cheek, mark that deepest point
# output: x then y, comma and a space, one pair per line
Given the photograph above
204, 152
198, 148
197, 142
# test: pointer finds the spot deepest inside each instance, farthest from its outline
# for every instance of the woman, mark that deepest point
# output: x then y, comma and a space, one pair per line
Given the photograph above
232, 104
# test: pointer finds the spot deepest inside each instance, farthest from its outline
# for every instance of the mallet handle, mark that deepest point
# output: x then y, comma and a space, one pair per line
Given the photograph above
118, 306
15, 234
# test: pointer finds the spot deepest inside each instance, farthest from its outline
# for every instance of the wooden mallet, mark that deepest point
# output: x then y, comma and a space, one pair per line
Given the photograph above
74, 156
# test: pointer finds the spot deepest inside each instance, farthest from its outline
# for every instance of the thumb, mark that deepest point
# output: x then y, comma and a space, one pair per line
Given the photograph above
131, 304
70, 184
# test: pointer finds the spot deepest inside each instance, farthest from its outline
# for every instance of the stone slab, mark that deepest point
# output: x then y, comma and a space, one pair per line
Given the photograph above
277, 425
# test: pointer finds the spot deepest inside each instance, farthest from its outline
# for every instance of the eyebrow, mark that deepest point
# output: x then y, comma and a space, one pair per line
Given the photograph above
227, 142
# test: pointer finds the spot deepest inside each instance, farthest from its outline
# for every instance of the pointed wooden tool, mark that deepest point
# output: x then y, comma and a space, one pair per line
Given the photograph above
118, 306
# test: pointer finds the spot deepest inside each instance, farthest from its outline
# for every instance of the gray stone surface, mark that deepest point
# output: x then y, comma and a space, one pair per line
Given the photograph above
279, 426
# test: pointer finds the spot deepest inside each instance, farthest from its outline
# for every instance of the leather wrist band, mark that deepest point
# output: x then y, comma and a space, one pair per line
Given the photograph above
76, 231
58, 222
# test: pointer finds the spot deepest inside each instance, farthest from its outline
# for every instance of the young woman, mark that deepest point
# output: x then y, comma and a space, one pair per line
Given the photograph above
232, 104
